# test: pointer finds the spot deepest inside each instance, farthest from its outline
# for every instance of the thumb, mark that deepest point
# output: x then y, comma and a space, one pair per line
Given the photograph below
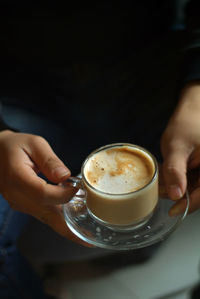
174, 171
47, 161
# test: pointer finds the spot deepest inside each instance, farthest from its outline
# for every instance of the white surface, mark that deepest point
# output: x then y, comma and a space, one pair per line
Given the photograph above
169, 274
174, 266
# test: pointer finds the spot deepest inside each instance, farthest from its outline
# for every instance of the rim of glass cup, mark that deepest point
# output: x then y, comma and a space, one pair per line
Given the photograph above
121, 144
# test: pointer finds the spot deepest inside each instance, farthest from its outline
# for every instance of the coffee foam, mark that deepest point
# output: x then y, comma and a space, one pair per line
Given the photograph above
119, 170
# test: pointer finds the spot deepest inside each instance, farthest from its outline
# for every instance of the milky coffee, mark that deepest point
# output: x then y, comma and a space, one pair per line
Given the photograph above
121, 184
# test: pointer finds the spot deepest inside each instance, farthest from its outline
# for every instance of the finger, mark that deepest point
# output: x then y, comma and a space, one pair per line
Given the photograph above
180, 206
194, 161
29, 184
46, 160
193, 178
174, 171
38, 189
194, 200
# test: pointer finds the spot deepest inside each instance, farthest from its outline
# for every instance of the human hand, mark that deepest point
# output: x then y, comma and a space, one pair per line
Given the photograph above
22, 158
180, 146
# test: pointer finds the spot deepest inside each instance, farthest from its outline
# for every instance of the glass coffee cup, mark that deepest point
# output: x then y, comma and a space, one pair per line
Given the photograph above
120, 184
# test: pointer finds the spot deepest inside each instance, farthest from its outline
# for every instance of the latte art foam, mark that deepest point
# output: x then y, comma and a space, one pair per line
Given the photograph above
119, 170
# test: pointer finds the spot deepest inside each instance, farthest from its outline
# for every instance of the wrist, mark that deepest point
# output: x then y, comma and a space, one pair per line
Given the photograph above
188, 107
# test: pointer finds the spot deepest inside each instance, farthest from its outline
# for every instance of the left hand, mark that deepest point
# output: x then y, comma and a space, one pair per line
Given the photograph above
180, 146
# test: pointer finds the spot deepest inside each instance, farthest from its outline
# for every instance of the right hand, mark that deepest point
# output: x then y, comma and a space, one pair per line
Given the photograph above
180, 146
22, 157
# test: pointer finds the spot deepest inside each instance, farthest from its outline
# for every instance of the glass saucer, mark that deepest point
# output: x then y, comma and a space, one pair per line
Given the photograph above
88, 229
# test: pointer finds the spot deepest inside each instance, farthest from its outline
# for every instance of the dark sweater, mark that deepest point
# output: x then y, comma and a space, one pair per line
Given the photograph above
43, 48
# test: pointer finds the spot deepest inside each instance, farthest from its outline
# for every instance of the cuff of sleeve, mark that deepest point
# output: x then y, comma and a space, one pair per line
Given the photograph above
191, 67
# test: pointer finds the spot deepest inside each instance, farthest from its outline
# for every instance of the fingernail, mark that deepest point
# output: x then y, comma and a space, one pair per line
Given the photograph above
61, 172
175, 192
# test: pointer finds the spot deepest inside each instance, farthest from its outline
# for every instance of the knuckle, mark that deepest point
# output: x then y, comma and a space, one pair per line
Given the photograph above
172, 170
38, 139
48, 161
171, 145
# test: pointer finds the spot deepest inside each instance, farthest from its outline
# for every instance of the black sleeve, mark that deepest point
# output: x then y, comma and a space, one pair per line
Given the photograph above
3, 125
191, 54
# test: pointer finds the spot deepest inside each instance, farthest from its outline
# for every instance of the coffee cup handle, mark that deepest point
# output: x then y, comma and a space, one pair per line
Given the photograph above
75, 182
